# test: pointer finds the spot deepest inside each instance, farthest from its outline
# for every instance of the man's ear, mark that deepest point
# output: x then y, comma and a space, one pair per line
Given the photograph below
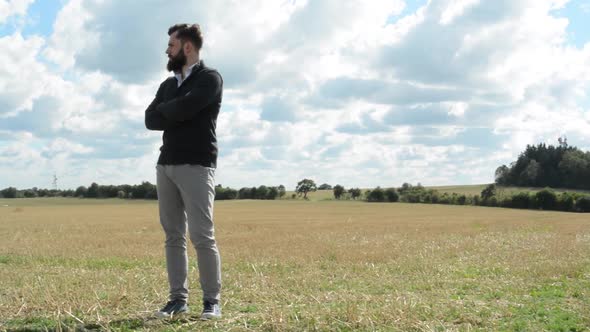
187, 48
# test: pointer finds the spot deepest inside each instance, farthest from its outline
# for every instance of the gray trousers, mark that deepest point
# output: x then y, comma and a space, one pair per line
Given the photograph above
185, 197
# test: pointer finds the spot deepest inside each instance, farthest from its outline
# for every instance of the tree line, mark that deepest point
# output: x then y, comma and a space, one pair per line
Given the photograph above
308, 185
545, 199
145, 190
261, 192
542, 165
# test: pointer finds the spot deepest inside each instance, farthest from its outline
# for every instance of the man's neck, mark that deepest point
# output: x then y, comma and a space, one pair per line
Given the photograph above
187, 66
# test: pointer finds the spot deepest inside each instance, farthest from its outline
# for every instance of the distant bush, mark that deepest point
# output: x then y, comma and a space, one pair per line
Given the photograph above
338, 191
376, 195
445, 198
222, 193
391, 195
29, 193
9, 192
476, 200
262, 192
67, 193
505, 201
488, 192
81, 191
273, 193
354, 193
461, 200
432, 196
566, 202
412, 194
583, 204
521, 200
493, 201
545, 200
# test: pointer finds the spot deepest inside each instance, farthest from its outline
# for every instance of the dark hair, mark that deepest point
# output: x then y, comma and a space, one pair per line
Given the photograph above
188, 32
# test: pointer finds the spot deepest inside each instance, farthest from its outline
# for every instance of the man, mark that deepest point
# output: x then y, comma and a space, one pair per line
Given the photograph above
186, 108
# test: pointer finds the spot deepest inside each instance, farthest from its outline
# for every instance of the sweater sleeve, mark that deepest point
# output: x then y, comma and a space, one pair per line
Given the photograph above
154, 120
203, 93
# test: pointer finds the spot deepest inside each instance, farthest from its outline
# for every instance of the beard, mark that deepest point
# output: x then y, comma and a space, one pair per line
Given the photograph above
176, 62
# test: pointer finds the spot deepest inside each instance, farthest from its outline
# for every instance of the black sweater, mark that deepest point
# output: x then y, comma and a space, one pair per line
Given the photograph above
188, 117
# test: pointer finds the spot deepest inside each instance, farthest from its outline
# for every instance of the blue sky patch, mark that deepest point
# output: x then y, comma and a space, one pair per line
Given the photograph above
41, 15
578, 14
411, 7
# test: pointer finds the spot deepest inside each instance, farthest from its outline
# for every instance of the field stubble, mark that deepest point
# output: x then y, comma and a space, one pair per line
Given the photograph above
295, 265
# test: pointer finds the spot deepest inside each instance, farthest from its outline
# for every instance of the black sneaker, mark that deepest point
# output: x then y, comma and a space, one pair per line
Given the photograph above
172, 309
211, 311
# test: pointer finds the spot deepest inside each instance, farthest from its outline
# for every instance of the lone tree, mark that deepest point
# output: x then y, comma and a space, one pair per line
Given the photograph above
338, 191
304, 186
354, 193
282, 191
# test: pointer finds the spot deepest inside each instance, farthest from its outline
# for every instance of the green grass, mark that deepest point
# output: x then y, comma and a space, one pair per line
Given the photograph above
32, 324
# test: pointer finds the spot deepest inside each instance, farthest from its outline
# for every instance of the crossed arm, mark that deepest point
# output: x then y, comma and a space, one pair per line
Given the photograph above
155, 120
165, 115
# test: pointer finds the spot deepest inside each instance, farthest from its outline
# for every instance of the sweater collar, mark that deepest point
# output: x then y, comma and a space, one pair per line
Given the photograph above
190, 70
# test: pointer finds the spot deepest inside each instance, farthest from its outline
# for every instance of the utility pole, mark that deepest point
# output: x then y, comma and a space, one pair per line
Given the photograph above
54, 181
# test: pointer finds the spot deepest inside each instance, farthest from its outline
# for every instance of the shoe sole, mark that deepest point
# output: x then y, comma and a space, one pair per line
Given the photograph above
210, 317
166, 316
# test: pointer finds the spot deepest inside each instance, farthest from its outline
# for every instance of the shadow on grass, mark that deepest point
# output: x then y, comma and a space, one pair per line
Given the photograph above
146, 323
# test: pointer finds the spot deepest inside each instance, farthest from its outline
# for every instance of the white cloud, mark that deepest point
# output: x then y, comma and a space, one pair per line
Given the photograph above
455, 9
67, 41
10, 8
535, 122
61, 145
457, 109
22, 77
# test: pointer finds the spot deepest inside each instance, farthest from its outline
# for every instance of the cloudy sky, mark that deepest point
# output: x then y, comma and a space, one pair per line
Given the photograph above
355, 92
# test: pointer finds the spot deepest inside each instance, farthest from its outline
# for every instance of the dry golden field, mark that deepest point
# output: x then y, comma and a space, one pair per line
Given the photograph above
70, 264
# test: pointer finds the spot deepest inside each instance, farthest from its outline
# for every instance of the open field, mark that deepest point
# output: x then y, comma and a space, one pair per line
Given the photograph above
297, 265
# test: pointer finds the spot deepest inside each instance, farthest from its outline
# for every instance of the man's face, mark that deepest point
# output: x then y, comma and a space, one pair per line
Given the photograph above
175, 52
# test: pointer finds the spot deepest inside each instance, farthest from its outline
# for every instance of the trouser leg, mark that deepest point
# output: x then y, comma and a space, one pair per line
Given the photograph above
197, 188
173, 221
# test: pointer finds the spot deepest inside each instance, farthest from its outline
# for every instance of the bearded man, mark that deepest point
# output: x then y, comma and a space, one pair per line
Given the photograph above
185, 108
